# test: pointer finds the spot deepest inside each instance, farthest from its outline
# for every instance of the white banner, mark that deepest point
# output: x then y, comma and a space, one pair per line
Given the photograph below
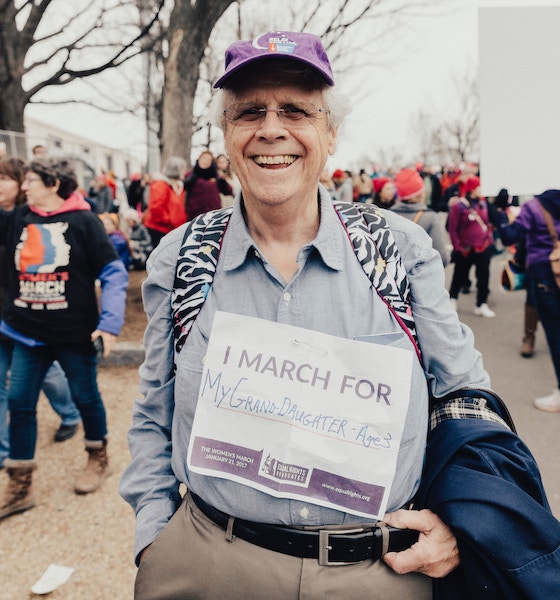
301, 414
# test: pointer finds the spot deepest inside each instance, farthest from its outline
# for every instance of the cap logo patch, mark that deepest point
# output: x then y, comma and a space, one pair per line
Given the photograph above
277, 44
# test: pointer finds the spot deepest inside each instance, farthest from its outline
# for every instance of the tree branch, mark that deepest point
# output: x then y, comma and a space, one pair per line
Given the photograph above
64, 75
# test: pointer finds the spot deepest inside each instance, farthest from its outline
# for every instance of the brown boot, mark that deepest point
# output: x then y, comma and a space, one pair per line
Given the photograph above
97, 468
18, 495
530, 328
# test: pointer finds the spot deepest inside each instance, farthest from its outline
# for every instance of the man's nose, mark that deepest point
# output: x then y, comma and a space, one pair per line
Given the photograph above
271, 123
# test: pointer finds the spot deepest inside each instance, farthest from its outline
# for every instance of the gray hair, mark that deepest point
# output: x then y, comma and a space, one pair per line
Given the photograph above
175, 167
51, 170
337, 104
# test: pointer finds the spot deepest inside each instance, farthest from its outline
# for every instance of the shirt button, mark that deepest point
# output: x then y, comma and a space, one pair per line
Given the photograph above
304, 512
287, 297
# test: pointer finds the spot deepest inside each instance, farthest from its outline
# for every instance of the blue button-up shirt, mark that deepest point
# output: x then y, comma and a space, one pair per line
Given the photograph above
329, 293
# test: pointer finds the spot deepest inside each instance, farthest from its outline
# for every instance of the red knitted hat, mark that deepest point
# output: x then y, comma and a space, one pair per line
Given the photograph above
471, 184
379, 182
338, 174
409, 184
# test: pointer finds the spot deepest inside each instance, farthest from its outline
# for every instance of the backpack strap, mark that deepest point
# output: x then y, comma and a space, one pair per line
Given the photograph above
377, 252
367, 230
418, 216
549, 224
196, 266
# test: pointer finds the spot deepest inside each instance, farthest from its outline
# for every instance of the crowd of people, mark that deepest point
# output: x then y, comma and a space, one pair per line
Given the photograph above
293, 237
139, 210
478, 228
57, 239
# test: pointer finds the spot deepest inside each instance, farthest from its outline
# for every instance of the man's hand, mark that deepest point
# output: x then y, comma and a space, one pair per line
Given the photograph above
108, 340
435, 553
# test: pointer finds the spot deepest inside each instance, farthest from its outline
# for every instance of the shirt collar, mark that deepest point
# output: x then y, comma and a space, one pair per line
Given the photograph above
329, 242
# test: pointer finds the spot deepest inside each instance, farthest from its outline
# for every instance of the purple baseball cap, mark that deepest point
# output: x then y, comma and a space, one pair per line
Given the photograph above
303, 47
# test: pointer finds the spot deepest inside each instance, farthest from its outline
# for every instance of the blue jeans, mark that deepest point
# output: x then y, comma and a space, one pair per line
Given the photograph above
5, 358
29, 367
547, 301
57, 390
55, 387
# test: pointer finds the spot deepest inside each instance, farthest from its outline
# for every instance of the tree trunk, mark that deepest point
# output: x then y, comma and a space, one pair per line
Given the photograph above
189, 33
12, 103
13, 48
17, 38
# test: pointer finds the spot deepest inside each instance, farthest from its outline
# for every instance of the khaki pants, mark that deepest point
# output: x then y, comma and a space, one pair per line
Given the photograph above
191, 559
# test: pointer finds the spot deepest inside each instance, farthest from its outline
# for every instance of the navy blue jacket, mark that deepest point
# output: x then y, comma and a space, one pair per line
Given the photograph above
482, 480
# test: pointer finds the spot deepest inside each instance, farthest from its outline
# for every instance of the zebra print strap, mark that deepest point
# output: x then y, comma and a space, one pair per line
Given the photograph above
367, 230
379, 256
196, 265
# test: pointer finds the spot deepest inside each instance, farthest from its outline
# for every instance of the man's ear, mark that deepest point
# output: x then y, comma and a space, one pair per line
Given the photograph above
333, 133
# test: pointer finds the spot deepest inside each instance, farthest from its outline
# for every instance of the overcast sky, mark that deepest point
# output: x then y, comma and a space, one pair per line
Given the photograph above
419, 79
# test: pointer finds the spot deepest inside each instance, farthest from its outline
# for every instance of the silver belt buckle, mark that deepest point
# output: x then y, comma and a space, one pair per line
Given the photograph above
325, 546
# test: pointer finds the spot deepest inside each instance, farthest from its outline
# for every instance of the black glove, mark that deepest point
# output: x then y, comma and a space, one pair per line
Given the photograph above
501, 201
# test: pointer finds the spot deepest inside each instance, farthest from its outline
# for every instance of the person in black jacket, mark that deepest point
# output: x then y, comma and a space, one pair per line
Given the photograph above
59, 250
203, 187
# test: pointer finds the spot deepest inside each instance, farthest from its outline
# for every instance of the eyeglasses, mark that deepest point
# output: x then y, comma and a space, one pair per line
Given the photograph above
289, 114
29, 180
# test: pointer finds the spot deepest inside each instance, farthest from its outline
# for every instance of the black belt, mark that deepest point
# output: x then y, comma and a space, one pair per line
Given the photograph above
328, 546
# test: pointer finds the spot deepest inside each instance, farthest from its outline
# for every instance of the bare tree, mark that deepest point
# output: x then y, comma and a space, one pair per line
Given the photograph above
453, 136
422, 130
427, 132
190, 26
391, 158
51, 43
46, 45
463, 130
344, 26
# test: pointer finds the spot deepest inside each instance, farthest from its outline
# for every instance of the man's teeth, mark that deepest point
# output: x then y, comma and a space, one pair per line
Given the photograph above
274, 160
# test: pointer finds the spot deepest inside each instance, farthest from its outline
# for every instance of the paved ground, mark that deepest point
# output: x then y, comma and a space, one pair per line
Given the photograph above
518, 380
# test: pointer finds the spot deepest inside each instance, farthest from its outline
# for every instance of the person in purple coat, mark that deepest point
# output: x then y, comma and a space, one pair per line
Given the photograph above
531, 226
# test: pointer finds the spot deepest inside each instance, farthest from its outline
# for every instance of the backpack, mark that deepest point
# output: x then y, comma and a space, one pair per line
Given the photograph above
367, 230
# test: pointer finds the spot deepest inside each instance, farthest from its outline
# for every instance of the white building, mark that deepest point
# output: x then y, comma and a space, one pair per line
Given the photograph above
90, 157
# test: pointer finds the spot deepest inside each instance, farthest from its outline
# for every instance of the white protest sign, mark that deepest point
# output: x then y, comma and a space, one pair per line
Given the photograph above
301, 414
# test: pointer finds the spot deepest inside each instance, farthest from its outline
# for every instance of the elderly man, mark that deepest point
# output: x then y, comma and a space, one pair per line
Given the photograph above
294, 408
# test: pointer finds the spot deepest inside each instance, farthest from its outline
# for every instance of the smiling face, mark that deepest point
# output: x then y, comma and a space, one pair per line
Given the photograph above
278, 161
205, 160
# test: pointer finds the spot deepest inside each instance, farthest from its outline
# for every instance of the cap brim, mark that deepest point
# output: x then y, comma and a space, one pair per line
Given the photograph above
254, 59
